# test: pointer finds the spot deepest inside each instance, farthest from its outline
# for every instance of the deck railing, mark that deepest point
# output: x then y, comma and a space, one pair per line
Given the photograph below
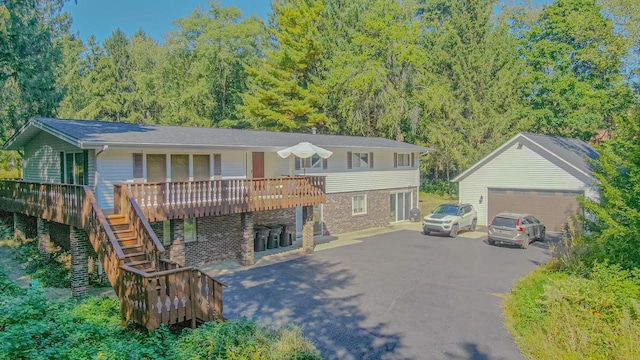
170, 297
73, 205
162, 201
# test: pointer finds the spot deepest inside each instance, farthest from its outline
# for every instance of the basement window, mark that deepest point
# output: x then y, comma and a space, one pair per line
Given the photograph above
359, 204
190, 234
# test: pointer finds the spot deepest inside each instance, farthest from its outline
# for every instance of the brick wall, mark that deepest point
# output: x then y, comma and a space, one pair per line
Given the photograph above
219, 238
338, 211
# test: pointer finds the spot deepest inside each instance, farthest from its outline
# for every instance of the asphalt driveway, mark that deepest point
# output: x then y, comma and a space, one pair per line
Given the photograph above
399, 295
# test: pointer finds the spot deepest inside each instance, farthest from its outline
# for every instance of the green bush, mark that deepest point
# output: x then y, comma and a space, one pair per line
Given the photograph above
557, 315
53, 270
439, 187
32, 327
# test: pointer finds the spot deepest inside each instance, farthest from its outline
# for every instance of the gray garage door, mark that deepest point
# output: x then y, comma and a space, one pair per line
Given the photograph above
551, 207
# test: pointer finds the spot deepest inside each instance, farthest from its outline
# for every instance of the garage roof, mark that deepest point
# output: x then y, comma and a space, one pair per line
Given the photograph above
94, 133
573, 155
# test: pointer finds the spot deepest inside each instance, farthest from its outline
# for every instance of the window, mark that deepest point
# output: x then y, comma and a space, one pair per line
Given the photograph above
166, 232
179, 168
404, 160
359, 204
360, 160
75, 165
313, 162
156, 168
190, 233
201, 170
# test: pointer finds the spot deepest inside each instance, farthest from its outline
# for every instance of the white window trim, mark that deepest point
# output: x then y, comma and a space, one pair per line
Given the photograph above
408, 155
353, 208
356, 160
308, 163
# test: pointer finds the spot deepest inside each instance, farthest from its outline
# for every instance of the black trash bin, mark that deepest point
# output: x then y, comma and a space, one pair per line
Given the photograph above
260, 238
274, 236
414, 215
288, 233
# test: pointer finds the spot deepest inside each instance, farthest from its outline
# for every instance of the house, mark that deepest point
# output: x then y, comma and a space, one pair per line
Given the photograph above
154, 199
537, 174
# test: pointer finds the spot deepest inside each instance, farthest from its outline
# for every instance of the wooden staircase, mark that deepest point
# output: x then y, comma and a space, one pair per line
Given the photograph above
134, 254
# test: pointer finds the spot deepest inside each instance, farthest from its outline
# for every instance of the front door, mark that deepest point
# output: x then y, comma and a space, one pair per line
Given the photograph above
258, 165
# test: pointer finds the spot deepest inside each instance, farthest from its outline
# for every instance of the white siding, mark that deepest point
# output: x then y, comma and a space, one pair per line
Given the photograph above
515, 168
116, 166
341, 179
42, 159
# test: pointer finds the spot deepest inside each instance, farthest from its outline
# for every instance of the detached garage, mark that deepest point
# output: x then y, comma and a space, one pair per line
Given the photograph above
537, 174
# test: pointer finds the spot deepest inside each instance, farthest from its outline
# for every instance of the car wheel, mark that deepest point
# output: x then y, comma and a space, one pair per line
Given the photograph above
425, 232
454, 231
491, 241
474, 223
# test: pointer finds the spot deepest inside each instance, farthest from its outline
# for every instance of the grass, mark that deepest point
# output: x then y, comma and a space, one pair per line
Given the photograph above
429, 201
556, 314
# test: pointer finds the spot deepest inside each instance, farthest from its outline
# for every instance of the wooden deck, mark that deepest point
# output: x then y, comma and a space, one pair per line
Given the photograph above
152, 291
178, 200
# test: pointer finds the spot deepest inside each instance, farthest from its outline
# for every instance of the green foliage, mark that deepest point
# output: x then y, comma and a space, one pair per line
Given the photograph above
32, 327
53, 270
440, 187
283, 94
555, 315
29, 54
573, 81
614, 220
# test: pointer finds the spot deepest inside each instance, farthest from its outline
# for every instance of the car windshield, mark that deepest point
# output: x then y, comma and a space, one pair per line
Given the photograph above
504, 222
446, 209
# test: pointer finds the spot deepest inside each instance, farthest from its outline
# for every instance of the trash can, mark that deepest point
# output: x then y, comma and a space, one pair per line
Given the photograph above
274, 236
260, 238
288, 233
414, 215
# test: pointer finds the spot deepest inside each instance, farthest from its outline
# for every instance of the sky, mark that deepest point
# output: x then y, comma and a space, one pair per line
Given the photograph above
155, 17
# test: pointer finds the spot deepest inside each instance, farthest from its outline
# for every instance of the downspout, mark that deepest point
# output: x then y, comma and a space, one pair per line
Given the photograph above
96, 174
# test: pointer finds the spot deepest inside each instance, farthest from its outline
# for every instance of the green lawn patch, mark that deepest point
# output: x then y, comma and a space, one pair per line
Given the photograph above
429, 201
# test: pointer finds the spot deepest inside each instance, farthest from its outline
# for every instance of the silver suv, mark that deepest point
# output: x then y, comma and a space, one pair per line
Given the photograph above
449, 219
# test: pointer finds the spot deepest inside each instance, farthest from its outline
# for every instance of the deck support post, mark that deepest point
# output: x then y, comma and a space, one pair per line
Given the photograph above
307, 229
44, 237
79, 244
247, 257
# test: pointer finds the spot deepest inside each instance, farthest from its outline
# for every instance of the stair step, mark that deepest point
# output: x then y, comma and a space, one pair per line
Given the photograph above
136, 256
128, 242
138, 263
124, 234
128, 249
115, 217
120, 226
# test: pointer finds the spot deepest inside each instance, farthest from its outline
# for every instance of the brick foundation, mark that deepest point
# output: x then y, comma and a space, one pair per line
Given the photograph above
20, 226
79, 241
44, 238
221, 238
246, 255
307, 229
338, 211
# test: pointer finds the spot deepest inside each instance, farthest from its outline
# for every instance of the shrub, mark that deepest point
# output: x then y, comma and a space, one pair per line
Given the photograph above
556, 315
439, 187
32, 327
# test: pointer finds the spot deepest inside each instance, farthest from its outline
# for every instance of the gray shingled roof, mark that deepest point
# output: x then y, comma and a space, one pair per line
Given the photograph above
575, 155
93, 132
574, 151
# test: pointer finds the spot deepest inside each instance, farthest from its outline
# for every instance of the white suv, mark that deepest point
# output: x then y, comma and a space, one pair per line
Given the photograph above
449, 219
